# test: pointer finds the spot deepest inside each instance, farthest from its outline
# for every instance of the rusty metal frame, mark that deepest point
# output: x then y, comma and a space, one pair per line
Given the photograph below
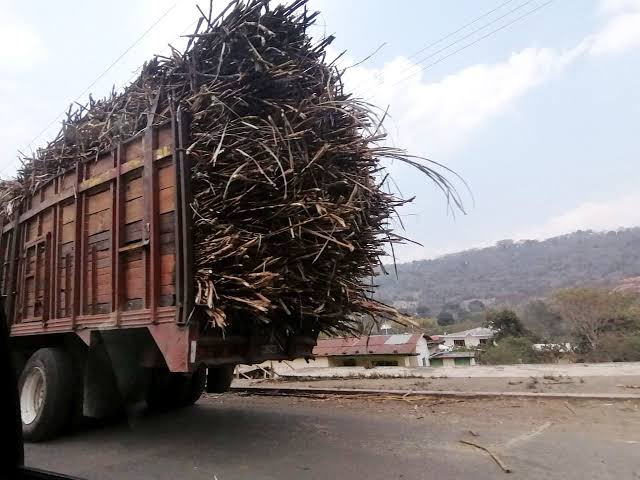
10, 288
46, 280
53, 251
151, 221
116, 234
78, 250
174, 344
184, 245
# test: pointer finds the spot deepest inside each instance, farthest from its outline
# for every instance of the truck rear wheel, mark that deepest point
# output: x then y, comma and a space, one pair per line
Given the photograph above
174, 390
219, 378
46, 389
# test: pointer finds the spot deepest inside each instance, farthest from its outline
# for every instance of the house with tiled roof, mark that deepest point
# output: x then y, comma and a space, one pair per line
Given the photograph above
403, 350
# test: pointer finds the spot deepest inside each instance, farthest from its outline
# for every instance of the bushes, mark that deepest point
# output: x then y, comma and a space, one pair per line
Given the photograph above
615, 347
509, 350
513, 350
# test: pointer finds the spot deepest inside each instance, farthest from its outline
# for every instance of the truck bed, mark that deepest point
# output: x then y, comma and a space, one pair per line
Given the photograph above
107, 246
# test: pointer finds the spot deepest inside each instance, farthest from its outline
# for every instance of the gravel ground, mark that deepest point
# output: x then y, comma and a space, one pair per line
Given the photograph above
546, 383
478, 371
233, 437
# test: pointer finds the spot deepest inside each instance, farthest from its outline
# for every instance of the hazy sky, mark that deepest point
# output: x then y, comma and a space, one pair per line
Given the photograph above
540, 118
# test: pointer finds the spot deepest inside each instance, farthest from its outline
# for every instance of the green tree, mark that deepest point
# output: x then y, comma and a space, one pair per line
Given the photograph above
593, 313
446, 318
505, 323
538, 317
509, 350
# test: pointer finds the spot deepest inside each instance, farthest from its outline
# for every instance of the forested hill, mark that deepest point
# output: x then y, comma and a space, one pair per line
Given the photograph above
512, 272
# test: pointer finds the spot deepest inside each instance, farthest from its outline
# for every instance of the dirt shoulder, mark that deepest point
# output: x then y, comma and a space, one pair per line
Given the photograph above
535, 384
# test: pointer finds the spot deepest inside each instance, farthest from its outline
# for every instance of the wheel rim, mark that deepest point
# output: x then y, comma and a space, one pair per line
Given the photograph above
32, 395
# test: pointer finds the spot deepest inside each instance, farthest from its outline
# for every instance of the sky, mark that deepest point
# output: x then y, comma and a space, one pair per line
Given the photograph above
533, 103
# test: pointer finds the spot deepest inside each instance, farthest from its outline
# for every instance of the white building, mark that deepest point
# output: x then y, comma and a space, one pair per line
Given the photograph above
467, 338
453, 359
402, 350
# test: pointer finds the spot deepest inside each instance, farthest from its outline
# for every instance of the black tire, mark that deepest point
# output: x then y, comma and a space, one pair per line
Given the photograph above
47, 374
219, 378
198, 384
175, 390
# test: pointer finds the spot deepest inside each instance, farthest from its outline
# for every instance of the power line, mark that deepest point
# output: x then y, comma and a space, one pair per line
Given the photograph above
134, 74
137, 70
484, 15
446, 47
107, 70
470, 44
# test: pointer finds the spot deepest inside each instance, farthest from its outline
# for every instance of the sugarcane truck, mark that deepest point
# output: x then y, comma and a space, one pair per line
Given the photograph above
97, 278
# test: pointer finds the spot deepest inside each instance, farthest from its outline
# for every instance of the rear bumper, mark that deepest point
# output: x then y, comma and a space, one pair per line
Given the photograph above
183, 348
233, 350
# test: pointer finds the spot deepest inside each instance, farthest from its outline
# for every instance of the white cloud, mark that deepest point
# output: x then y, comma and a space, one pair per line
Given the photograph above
617, 6
621, 33
434, 118
20, 44
609, 214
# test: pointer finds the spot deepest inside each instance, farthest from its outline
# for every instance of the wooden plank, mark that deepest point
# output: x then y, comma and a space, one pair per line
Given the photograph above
32, 229
96, 167
91, 273
68, 232
103, 266
46, 221
166, 200
100, 237
134, 264
98, 202
166, 177
133, 151
49, 189
133, 304
36, 200
133, 210
20, 282
97, 180
55, 257
167, 279
133, 232
15, 248
131, 165
68, 213
47, 253
37, 278
68, 271
167, 300
71, 188
67, 182
98, 222
167, 222
164, 137
133, 188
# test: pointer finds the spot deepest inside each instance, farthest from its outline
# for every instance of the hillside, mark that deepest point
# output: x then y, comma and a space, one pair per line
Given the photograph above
512, 272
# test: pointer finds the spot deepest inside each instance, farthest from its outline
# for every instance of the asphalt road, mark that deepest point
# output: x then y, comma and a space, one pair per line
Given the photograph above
238, 437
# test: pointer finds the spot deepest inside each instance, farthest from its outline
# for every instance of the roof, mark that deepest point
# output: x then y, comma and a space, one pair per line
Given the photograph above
403, 344
453, 355
474, 332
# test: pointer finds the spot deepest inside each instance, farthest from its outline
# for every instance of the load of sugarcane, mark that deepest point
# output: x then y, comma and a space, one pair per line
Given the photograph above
290, 210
